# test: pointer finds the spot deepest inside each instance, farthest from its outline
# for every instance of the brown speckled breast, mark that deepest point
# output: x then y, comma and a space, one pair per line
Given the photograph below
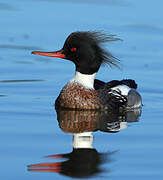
75, 96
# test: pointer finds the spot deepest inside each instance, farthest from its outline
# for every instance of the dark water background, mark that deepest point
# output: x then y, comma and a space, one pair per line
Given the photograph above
30, 84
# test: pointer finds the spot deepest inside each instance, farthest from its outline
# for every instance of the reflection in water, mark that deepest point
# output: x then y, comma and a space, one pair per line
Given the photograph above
84, 160
87, 121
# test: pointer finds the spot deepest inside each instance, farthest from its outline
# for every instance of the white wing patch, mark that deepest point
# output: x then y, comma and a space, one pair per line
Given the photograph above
122, 89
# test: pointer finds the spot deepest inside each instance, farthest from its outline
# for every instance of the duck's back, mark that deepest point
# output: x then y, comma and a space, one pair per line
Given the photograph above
123, 92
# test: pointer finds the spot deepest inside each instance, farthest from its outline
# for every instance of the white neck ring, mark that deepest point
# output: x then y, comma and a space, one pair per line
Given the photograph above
87, 80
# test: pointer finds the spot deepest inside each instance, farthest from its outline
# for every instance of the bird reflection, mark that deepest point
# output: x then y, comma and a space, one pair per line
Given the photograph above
87, 121
84, 160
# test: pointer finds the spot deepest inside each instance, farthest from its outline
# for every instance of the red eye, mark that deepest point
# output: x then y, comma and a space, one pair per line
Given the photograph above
73, 49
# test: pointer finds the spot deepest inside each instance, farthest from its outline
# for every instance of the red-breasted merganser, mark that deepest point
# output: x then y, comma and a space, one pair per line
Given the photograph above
84, 49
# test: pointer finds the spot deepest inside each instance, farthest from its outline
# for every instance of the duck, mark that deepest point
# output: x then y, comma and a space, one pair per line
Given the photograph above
83, 92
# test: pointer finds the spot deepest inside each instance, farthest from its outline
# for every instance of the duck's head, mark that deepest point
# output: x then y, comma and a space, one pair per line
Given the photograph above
84, 48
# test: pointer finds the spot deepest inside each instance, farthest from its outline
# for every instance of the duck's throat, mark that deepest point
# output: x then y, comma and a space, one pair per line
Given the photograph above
86, 80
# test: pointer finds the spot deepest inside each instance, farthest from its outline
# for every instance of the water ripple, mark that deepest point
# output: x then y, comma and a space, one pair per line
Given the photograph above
21, 47
19, 81
7, 7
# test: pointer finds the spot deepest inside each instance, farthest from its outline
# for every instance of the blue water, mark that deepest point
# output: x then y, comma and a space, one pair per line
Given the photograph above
30, 84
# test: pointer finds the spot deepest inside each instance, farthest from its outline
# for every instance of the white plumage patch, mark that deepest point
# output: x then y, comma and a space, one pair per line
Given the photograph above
123, 89
87, 80
83, 140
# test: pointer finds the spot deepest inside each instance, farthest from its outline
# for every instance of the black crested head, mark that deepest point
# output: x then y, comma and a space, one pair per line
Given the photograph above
85, 49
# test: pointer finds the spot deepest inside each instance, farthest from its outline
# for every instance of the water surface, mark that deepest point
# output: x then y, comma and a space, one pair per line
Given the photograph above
30, 84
